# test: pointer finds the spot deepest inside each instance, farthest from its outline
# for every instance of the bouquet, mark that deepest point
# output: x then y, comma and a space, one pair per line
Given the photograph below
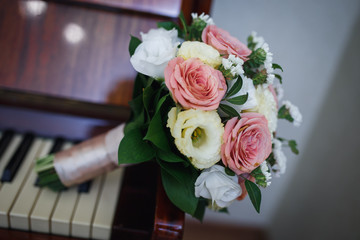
205, 107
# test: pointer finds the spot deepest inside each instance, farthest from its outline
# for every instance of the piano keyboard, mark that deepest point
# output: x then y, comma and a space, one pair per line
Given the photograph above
25, 206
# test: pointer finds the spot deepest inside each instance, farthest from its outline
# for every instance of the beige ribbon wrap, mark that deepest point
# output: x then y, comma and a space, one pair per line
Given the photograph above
90, 158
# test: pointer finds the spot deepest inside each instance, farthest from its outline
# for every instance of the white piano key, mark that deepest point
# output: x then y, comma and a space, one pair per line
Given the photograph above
9, 191
41, 215
9, 152
105, 211
61, 218
20, 212
84, 213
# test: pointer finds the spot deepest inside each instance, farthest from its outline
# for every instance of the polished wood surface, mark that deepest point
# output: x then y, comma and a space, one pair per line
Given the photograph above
65, 70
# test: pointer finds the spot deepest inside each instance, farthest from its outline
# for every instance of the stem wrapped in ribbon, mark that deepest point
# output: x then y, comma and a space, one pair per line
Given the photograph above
81, 162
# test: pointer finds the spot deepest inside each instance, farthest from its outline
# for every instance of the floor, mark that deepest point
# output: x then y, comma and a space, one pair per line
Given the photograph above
211, 231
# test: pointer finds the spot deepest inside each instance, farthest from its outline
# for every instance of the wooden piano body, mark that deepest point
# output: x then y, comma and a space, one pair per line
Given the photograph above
65, 71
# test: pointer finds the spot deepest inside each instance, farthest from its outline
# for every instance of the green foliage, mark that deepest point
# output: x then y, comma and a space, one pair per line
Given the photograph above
195, 29
259, 78
239, 100
179, 186
259, 177
229, 172
235, 88
284, 113
169, 26
277, 66
293, 146
134, 43
278, 77
254, 194
184, 24
230, 111
130, 145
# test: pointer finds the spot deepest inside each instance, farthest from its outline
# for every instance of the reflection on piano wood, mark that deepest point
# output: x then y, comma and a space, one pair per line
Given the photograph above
27, 207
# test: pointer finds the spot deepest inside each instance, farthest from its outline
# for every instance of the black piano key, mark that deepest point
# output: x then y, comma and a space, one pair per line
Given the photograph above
18, 157
58, 144
5, 140
84, 187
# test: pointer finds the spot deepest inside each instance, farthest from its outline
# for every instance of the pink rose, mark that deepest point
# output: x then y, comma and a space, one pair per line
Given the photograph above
222, 41
194, 84
247, 142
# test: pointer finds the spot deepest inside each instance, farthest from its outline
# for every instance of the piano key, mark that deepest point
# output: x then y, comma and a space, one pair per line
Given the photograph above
84, 187
5, 140
20, 213
61, 218
57, 145
9, 191
9, 152
42, 212
107, 203
84, 213
13, 165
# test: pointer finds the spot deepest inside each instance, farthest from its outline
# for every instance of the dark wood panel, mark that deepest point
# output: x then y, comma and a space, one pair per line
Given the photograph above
168, 8
68, 51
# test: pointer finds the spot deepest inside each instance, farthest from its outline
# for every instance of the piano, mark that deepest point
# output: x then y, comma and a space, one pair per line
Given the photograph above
65, 76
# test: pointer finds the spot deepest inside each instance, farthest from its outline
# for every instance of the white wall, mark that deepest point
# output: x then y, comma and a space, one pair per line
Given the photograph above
308, 39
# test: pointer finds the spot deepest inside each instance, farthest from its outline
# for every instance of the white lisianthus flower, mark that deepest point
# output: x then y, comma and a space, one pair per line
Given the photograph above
198, 135
206, 53
206, 18
266, 105
213, 183
247, 87
158, 47
280, 158
294, 112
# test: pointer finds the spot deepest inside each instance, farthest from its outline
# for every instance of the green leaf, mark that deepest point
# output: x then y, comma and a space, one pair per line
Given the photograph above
169, 156
277, 66
278, 77
148, 95
179, 186
284, 113
183, 22
134, 43
137, 122
229, 110
161, 102
254, 194
169, 26
229, 172
239, 100
293, 146
156, 133
130, 146
224, 210
235, 88
200, 209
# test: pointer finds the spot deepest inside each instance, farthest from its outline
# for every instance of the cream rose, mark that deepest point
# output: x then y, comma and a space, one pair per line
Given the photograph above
153, 54
266, 105
206, 53
198, 135
213, 183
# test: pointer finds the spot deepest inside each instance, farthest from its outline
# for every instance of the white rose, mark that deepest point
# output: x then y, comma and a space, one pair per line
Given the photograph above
206, 53
213, 183
153, 54
198, 135
266, 105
